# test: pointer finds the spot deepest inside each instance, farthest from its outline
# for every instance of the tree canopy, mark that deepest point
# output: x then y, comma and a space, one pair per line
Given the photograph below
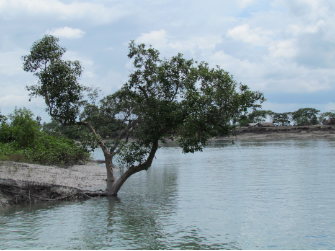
255, 116
305, 116
164, 98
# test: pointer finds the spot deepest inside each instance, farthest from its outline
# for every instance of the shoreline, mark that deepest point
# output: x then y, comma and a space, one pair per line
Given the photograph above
282, 133
26, 182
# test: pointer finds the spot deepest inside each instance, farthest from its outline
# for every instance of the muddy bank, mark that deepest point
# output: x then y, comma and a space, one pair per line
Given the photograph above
283, 132
24, 182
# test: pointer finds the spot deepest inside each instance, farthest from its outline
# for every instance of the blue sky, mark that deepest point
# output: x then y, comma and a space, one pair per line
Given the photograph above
284, 48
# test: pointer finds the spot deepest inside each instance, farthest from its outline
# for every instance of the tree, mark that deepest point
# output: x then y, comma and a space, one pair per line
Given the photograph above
174, 98
305, 116
2, 117
323, 117
254, 117
283, 119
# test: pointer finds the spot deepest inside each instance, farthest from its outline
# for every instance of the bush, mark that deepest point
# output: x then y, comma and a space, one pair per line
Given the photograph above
21, 140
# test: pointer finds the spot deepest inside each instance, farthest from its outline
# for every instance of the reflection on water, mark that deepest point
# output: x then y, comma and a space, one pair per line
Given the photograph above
252, 195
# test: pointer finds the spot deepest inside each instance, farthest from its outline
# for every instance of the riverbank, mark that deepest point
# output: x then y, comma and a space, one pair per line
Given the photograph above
282, 132
24, 182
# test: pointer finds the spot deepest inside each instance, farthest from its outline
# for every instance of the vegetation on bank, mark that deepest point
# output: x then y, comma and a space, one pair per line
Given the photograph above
301, 117
21, 139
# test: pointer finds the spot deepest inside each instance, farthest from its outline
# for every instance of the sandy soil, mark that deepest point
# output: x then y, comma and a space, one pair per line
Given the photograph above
85, 177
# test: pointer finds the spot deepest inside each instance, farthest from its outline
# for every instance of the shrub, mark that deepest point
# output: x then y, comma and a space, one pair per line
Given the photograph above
21, 140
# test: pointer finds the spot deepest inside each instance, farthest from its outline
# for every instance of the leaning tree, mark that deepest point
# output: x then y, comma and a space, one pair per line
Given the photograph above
174, 98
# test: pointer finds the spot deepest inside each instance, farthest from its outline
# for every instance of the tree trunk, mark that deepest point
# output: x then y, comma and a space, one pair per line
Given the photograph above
114, 187
110, 175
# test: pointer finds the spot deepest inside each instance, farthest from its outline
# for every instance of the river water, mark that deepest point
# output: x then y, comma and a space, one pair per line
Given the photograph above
252, 195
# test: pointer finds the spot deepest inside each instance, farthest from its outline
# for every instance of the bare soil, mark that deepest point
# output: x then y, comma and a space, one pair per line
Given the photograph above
24, 182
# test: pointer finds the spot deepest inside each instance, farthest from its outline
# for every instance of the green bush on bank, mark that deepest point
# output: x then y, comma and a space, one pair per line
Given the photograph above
21, 140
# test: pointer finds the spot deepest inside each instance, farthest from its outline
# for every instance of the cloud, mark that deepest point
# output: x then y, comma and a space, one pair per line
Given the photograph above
283, 48
291, 107
245, 3
171, 45
158, 39
256, 37
298, 29
275, 75
10, 62
98, 13
66, 32
10, 99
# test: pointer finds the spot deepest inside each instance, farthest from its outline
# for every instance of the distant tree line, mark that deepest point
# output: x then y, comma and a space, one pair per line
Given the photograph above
301, 117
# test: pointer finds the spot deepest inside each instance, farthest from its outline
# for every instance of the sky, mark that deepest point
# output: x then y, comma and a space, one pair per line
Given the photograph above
283, 48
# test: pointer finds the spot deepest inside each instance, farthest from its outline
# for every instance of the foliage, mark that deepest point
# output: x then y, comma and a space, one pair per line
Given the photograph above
254, 117
22, 129
133, 153
323, 117
182, 99
282, 119
2, 117
305, 116
22, 140
163, 99
57, 79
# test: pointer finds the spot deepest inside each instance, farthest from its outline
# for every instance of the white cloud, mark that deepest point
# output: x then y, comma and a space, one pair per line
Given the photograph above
73, 55
66, 32
256, 37
11, 99
245, 3
298, 29
160, 40
283, 48
11, 63
274, 75
10, 9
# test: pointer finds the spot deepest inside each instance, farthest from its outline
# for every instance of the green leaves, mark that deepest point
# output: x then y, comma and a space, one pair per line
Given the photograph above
164, 98
57, 79
282, 119
22, 140
326, 115
305, 116
179, 98
132, 153
42, 53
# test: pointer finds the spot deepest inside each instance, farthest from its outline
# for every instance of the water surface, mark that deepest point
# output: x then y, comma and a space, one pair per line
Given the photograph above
252, 195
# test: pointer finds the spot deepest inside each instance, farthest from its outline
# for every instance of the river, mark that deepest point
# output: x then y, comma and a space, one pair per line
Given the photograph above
251, 195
